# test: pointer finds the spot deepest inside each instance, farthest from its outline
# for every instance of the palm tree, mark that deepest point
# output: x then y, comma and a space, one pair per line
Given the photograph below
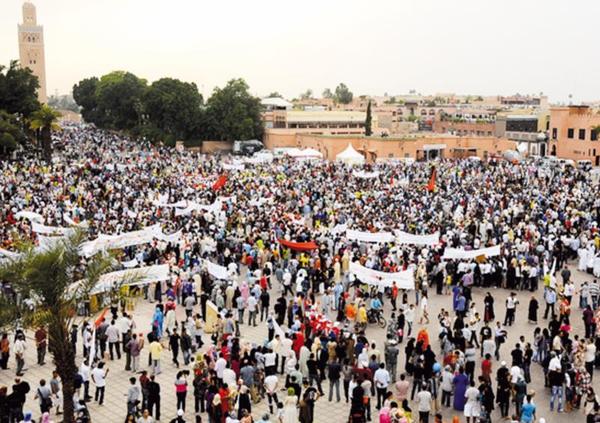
45, 120
46, 293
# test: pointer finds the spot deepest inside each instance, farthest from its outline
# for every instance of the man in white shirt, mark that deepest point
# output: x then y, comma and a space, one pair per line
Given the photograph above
271, 383
423, 400
229, 376
382, 380
589, 357
99, 378
511, 307
270, 362
252, 304
554, 364
85, 373
19, 349
112, 335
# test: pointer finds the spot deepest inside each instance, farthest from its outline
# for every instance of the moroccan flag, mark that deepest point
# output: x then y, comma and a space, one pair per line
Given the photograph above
220, 183
431, 184
98, 321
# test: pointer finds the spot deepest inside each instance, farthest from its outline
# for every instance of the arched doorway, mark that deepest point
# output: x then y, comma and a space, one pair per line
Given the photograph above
553, 150
542, 149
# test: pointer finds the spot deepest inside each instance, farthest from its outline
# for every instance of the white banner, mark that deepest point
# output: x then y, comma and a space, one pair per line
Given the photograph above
406, 238
127, 239
173, 238
461, 254
215, 270
369, 236
339, 229
9, 254
233, 166
82, 224
179, 204
404, 280
34, 217
365, 175
131, 277
50, 230
213, 208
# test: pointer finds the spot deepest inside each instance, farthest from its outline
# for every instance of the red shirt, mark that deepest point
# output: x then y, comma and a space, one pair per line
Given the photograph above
486, 368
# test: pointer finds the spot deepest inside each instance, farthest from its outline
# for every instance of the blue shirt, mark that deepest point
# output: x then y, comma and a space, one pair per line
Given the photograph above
527, 413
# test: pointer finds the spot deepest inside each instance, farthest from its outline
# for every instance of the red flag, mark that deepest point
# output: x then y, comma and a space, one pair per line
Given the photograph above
299, 246
220, 183
431, 184
98, 321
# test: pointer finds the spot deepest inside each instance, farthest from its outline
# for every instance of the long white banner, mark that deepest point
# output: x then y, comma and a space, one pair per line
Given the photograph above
366, 175
131, 277
127, 239
461, 254
34, 217
406, 238
369, 236
217, 271
404, 280
50, 230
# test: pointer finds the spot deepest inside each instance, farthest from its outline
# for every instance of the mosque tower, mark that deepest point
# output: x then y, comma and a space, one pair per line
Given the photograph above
31, 47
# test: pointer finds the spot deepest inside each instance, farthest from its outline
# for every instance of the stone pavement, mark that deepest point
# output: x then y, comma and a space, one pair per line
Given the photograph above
114, 408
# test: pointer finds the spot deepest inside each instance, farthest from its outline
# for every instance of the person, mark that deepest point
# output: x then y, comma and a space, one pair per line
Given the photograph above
424, 403
181, 389
179, 418
44, 395
334, 371
55, 387
382, 380
112, 335
461, 381
145, 417
133, 396
271, 383
290, 408
4, 351
391, 353
154, 398
99, 375
156, 349
528, 410
19, 348
41, 342
174, 346
446, 385
511, 306
472, 405
533, 308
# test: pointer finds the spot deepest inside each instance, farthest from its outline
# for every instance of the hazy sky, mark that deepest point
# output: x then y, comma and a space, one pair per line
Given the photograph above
376, 46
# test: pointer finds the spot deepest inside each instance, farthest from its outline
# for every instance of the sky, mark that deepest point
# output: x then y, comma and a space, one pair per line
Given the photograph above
378, 46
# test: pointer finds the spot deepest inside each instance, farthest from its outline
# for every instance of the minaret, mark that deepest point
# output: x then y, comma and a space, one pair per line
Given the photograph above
31, 47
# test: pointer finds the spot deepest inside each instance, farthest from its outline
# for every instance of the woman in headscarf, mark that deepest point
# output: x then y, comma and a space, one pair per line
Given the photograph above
461, 382
304, 356
290, 407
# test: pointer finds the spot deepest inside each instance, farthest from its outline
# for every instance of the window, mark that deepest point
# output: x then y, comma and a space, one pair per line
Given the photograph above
570, 133
554, 133
582, 134
594, 135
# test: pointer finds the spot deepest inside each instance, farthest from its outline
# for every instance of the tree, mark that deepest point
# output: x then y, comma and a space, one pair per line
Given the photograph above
173, 107
18, 88
306, 94
117, 94
275, 94
232, 113
47, 278
327, 93
45, 121
368, 121
84, 94
342, 94
11, 133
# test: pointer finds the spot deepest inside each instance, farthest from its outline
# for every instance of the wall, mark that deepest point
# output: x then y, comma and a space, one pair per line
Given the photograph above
374, 147
209, 147
563, 118
470, 128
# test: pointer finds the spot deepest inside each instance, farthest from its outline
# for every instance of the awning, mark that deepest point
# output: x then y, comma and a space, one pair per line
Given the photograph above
299, 246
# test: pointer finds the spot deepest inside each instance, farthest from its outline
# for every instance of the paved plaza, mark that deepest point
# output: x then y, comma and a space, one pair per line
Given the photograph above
114, 408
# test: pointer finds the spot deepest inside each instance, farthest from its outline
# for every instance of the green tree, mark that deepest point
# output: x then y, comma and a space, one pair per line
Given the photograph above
173, 107
117, 94
342, 94
84, 94
368, 121
232, 113
11, 133
48, 279
327, 93
275, 94
45, 121
18, 90
306, 95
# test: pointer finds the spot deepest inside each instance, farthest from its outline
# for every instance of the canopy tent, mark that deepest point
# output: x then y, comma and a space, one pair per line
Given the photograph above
350, 156
309, 153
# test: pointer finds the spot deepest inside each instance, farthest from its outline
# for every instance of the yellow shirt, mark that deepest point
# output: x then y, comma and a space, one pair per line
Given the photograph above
362, 315
155, 350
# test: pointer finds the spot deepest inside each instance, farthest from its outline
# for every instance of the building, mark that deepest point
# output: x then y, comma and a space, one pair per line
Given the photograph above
318, 122
528, 129
418, 147
574, 133
31, 47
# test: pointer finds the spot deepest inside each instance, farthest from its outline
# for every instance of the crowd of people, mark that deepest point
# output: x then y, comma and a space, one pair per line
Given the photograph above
274, 227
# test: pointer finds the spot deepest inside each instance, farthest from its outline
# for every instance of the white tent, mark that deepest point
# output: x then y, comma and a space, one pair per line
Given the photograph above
350, 156
309, 153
